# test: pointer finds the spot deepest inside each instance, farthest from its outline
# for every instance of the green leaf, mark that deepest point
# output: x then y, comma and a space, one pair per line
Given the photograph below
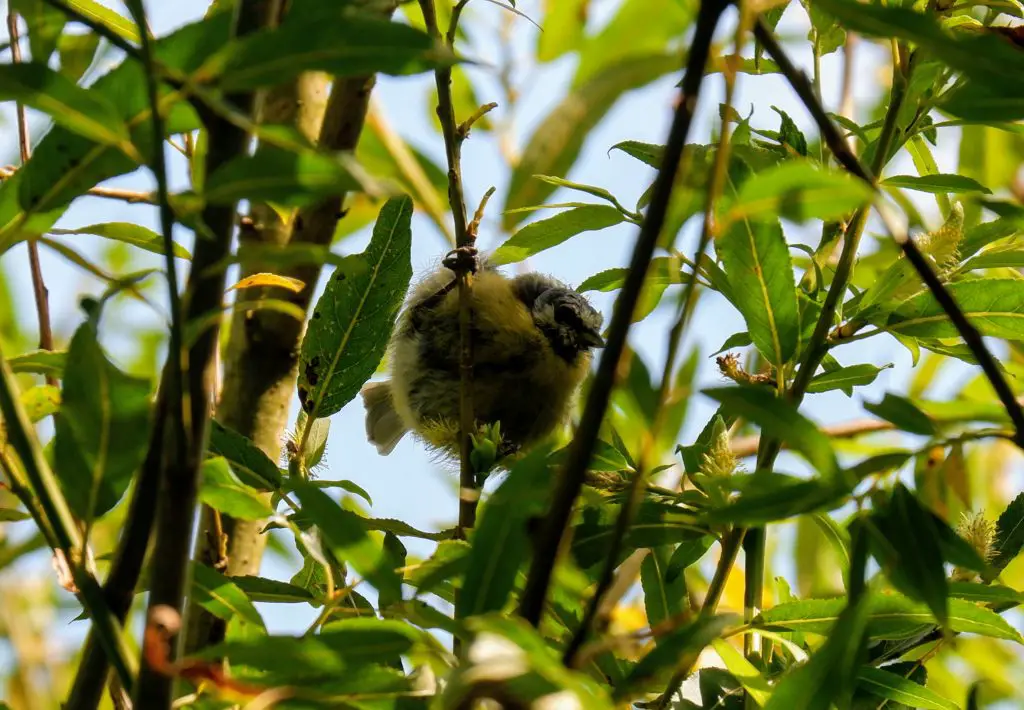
336, 41
664, 270
272, 591
845, 378
448, 562
284, 177
778, 418
976, 101
664, 593
752, 680
789, 135
902, 413
546, 233
768, 497
10, 515
248, 461
1009, 534
654, 524
986, 593
65, 165
760, 273
220, 489
907, 548
647, 153
102, 429
77, 53
557, 140
113, 21
220, 596
45, 24
563, 28
798, 190
982, 56
901, 690
688, 552
313, 452
128, 233
830, 674
40, 402
84, 112
937, 184
490, 577
890, 616
341, 646
40, 362
676, 649
353, 319
348, 537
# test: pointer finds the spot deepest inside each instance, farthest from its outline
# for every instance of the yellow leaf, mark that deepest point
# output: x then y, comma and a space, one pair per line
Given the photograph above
264, 279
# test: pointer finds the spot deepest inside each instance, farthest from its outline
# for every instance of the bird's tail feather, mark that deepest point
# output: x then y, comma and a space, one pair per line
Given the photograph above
384, 428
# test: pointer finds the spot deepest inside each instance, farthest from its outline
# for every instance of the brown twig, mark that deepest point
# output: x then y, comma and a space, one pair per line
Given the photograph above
130, 196
747, 445
39, 290
453, 139
553, 533
478, 216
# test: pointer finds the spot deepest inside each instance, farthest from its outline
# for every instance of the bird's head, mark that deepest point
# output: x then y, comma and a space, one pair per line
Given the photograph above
568, 321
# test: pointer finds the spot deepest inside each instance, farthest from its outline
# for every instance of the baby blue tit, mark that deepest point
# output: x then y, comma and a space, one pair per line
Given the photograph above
531, 336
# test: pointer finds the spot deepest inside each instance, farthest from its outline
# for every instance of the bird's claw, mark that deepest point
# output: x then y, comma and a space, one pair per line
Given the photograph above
461, 260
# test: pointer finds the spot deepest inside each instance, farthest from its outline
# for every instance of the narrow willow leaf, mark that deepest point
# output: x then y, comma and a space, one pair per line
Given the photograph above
10, 515
490, 577
557, 140
348, 537
654, 524
903, 413
101, 430
895, 687
334, 41
65, 165
1009, 534
265, 279
77, 53
908, 551
546, 233
976, 101
778, 418
273, 591
664, 593
339, 646
938, 184
798, 191
220, 489
664, 270
891, 616
768, 497
688, 552
743, 670
448, 563
128, 233
563, 31
84, 112
845, 377
647, 153
829, 676
113, 21
677, 649
247, 460
220, 596
353, 319
40, 362
986, 593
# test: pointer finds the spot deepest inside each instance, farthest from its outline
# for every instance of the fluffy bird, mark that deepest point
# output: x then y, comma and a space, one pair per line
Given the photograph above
532, 338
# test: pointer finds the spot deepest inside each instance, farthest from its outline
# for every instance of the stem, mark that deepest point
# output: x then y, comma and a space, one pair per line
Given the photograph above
204, 293
39, 289
686, 306
748, 445
453, 138
553, 531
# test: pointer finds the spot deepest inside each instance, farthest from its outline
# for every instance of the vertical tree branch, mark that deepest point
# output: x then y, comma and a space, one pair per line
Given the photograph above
39, 290
204, 293
453, 138
553, 534
260, 359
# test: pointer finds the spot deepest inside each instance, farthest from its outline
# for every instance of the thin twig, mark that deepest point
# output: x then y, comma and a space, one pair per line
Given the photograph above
110, 193
453, 138
747, 445
687, 303
553, 533
478, 216
39, 290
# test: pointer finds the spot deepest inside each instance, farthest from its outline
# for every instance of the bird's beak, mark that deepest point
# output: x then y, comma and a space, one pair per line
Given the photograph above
591, 338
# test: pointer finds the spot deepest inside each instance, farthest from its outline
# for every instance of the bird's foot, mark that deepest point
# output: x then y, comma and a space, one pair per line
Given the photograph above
461, 260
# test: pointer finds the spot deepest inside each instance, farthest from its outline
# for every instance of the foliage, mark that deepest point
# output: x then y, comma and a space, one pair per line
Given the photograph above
645, 585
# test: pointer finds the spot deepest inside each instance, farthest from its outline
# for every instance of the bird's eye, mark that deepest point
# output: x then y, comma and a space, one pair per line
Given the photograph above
564, 314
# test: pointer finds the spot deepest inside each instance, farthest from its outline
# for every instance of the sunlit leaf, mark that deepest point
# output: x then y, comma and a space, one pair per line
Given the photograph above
664, 592
220, 596
1009, 533
247, 461
903, 413
895, 687
845, 377
353, 319
798, 190
128, 233
546, 233
40, 362
220, 489
265, 279
940, 183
